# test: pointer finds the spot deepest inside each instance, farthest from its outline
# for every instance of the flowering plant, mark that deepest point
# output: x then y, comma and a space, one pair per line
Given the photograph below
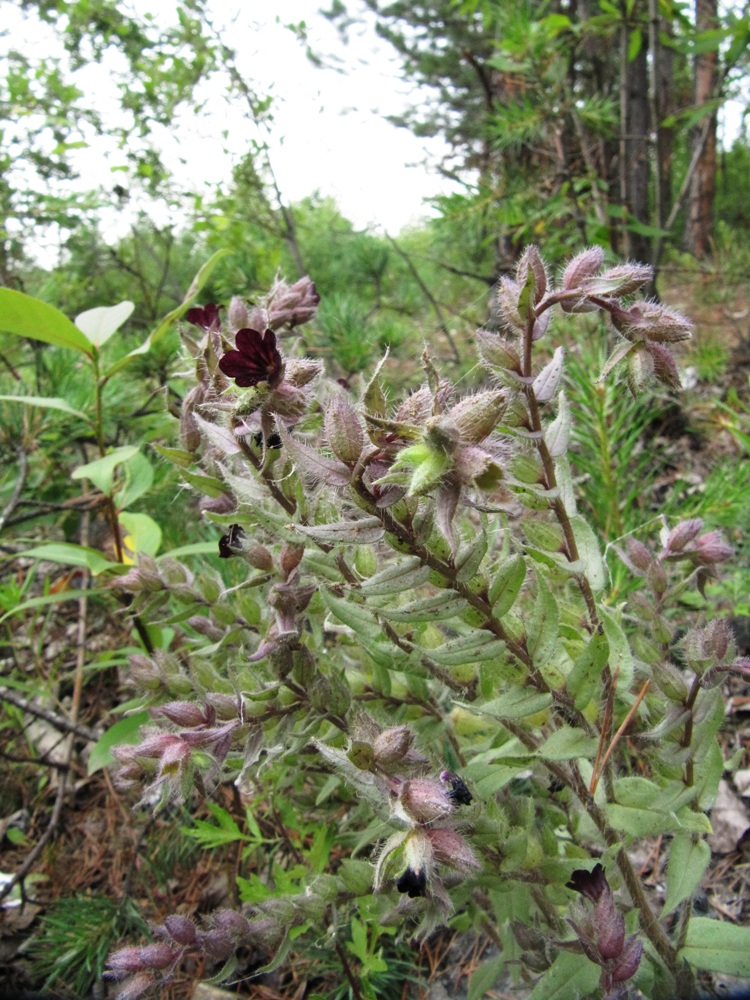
415, 642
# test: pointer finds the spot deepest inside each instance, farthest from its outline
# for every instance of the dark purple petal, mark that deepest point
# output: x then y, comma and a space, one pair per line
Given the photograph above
413, 882
255, 360
231, 543
206, 317
457, 790
591, 884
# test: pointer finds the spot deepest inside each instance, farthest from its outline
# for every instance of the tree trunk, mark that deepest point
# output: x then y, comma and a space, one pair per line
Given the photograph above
634, 151
699, 221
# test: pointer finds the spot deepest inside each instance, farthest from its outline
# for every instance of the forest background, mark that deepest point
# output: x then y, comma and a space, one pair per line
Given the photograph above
564, 124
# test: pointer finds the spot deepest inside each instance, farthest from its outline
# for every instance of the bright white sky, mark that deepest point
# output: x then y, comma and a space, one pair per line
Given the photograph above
328, 134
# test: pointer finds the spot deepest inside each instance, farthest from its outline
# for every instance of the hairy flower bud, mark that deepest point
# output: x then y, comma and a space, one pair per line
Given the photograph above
157, 956
638, 554
392, 745
291, 557
477, 416
292, 305
180, 929
583, 265
238, 315
616, 282
185, 713
629, 960
344, 430
610, 927
450, 849
423, 800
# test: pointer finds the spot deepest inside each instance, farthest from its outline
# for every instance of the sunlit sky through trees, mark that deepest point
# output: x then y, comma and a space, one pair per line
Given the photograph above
328, 132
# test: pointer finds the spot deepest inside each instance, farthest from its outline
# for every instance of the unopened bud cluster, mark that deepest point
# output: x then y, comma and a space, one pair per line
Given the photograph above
601, 932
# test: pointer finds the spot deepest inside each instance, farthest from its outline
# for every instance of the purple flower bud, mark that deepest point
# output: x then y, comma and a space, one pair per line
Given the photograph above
184, 713
291, 557
157, 956
180, 929
638, 554
205, 626
584, 265
124, 961
682, 535
610, 927
292, 305
392, 745
232, 923
616, 282
423, 800
711, 549
449, 848
216, 944
237, 314
664, 366
630, 959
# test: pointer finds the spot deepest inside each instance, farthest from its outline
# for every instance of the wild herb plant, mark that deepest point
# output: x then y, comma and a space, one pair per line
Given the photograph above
417, 678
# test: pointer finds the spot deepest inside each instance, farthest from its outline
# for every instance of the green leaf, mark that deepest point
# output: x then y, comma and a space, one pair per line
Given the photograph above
102, 470
589, 553
176, 455
469, 557
139, 478
635, 43
163, 328
193, 549
718, 946
557, 434
70, 555
28, 317
506, 584
357, 618
687, 863
397, 578
99, 324
427, 609
587, 670
49, 402
42, 602
127, 730
620, 656
484, 977
569, 976
210, 486
358, 531
518, 703
143, 533
542, 633
567, 743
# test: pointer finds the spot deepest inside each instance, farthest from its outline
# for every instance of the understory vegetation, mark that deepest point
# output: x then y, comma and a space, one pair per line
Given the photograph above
374, 608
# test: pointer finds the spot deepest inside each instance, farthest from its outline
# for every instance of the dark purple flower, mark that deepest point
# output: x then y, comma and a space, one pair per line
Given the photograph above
413, 882
255, 360
231, 543
591, 884
457, 789
206, 317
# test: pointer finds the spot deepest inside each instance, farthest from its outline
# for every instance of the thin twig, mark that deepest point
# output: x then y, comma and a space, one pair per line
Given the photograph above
23, 468
616, 739
58, 721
